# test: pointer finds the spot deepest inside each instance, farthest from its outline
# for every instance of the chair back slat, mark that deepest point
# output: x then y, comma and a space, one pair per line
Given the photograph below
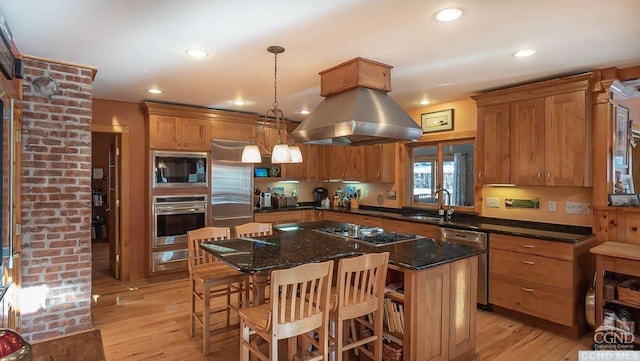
197, 256
254, 229
360, 283
300, 298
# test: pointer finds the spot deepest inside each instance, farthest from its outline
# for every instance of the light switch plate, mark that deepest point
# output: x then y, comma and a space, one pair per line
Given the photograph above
552, 206
576, 208
492, 202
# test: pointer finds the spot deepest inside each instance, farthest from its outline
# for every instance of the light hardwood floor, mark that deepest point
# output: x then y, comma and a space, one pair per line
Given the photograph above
145, 320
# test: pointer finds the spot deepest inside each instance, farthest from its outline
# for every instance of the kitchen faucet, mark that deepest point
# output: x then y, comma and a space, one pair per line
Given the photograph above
449, 211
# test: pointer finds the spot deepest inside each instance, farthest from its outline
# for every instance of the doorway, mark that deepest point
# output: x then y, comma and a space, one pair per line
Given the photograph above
106, 172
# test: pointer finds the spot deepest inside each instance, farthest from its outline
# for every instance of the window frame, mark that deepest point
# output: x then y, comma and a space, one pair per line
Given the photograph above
439, 172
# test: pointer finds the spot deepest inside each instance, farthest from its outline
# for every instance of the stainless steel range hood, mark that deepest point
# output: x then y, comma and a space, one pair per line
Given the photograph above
357, 116
357, 109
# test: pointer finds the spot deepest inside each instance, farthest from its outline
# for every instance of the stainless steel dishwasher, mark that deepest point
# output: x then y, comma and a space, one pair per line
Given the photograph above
478, 240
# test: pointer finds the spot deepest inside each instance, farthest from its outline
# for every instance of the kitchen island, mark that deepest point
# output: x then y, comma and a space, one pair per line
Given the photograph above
435, 281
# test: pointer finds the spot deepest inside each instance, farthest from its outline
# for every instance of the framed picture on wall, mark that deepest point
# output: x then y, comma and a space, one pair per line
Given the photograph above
437, 121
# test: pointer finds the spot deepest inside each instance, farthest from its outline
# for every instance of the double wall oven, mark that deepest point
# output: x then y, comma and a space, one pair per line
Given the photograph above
173, 217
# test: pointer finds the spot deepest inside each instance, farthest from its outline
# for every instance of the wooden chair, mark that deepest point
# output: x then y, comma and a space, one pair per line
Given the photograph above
211, 278
300, 299
359, 292
255, 229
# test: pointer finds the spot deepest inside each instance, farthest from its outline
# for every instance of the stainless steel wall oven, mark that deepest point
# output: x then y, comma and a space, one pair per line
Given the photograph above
173, 217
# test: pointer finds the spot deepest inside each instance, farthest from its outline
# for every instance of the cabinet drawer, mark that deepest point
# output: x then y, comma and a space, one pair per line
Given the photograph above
550, 303
338, 217
170, 260
367, 220
279, 217
532, 268
532, 246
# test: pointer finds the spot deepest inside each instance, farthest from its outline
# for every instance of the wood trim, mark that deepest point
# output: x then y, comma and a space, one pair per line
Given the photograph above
125, 225
93, 69
462, 135
190, 111
534, 90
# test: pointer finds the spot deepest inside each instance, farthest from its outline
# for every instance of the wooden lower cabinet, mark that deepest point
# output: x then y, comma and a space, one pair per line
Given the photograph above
337, 216
543, 280
368, 221
421, 229
440, 312
278, 217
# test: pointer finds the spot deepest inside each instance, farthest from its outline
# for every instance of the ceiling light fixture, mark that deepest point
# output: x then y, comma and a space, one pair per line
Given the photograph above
425, 102
449, 14
524, 53
154, 91
196, 53
239, 102
282, 152
304, 112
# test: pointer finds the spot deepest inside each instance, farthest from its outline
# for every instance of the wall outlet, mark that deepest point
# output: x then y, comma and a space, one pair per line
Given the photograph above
492, 202
366, 193
551, 207
576, 208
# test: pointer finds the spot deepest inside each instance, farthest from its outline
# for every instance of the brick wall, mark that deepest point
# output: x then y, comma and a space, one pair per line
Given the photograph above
56, 202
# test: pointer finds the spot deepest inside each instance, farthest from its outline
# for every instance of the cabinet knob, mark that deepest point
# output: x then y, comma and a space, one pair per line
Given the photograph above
634, 228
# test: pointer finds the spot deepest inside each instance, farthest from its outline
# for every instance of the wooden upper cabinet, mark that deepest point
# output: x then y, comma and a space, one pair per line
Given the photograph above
568, 146
527, 142
380, 163
266, 137
493, 144
536, 134
354, 163
175, 133
334, 161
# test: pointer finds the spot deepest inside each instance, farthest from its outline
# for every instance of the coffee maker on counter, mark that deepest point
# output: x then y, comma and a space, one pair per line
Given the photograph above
319, 194
265, 200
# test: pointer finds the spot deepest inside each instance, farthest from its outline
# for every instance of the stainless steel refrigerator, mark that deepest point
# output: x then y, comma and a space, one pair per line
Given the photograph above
231, 184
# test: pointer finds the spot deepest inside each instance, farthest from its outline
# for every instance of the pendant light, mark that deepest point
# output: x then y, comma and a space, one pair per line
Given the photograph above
282, 152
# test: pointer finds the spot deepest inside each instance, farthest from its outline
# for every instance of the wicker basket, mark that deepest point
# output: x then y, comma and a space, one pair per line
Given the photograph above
627, 291
391, 352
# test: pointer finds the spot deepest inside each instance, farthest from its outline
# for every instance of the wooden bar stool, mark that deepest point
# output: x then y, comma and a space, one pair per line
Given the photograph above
299, 304
211, 278
260, 280
359, 291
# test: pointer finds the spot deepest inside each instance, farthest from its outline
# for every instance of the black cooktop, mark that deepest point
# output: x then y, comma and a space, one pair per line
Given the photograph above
375, 238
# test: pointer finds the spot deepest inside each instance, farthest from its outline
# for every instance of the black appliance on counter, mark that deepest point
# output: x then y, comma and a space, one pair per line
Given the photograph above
319, 194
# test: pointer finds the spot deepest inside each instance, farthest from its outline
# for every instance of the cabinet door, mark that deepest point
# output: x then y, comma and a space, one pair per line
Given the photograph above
297, 170
314, 162
527, 142
379, 163
196, 134
567, 149
164, 132
493, 144
266, 137
354, 163
338, 216
335, 159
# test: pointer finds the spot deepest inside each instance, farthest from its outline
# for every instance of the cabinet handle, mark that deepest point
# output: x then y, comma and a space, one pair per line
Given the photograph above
549, 176
480, 175
527, 289
539, 176
528, 246
527, 262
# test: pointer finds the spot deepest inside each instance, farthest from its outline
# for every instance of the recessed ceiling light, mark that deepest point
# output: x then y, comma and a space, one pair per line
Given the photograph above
155, 91
449, 14
425, 101
197, 53
524, 53
304, 112
239, 102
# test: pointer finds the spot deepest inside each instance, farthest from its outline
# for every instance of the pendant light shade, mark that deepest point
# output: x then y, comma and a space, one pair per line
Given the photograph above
251, 154
282, 152
296, 154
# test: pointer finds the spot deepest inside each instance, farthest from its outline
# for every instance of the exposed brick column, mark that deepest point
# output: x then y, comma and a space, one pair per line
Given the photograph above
56, 202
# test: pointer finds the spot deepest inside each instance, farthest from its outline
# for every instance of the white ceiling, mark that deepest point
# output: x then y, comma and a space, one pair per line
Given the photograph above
139, 44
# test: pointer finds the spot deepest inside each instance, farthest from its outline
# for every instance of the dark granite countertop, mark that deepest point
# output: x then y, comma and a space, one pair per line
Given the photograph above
545, 231
296, 244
